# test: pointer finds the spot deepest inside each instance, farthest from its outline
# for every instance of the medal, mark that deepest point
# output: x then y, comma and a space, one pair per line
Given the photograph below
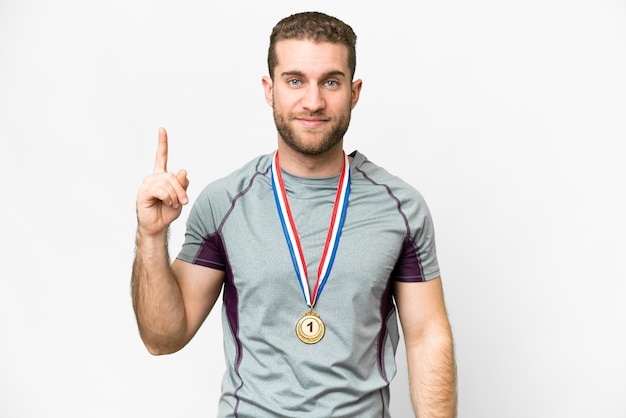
310, 328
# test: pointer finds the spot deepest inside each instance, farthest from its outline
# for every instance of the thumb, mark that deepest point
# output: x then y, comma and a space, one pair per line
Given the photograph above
181, 176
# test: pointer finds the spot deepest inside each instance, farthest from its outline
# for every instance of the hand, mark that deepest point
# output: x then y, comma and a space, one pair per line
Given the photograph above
162, 194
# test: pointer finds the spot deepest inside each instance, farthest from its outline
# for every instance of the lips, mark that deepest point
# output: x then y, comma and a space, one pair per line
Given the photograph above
311, 121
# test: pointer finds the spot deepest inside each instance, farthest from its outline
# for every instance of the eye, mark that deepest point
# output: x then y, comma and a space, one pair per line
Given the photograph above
332, 83
294, 82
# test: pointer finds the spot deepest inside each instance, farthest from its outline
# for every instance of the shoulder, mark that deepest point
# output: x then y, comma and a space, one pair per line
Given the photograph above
365, 172
239, 180
218, 196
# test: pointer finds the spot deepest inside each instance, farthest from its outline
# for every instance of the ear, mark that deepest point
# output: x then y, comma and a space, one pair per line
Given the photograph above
267, 87
356, 91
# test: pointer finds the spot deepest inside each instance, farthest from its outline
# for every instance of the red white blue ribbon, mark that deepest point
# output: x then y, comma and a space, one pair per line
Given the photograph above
291, 233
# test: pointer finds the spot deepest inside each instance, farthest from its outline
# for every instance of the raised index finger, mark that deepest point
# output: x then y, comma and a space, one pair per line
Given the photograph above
160, 163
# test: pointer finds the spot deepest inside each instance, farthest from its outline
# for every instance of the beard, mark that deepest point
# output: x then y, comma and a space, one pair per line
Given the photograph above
325, 137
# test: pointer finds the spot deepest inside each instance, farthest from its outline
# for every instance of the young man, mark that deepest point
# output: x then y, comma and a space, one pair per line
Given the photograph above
313, 250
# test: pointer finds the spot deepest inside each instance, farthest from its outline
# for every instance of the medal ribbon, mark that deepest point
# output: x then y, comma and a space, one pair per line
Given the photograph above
291, 234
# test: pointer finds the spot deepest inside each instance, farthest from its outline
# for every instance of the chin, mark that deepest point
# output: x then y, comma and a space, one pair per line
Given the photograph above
313, 147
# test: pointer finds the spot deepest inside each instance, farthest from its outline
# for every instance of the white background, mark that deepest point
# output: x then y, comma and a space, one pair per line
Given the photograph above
507, 116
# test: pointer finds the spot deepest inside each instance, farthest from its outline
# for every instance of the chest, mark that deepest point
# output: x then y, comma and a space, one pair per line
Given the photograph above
263, 265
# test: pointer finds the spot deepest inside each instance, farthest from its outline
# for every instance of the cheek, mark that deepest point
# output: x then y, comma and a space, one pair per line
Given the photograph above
339, 102
341, 105
282, 101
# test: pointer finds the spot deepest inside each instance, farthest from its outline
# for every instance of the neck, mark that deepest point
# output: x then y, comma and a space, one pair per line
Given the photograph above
296, 163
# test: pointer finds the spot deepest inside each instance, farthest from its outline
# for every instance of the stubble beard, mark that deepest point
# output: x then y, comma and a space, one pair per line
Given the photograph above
329, 136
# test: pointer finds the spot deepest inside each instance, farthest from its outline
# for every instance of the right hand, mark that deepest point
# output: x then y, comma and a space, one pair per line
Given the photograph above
162, 195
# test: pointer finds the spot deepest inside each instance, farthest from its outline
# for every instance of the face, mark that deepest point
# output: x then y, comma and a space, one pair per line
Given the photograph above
312, 95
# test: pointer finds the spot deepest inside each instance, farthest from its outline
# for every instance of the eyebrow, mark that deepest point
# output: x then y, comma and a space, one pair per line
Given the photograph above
332, 73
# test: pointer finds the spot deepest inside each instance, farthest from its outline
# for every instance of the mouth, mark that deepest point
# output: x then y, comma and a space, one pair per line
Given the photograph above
311, 121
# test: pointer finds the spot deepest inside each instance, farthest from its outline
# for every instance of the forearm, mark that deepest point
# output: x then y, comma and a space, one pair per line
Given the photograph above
432, 376
157, 299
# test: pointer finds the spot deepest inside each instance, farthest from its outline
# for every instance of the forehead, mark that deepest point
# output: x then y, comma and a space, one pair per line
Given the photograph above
307, 56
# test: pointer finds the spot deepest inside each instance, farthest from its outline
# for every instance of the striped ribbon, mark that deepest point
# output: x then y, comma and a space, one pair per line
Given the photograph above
291, 234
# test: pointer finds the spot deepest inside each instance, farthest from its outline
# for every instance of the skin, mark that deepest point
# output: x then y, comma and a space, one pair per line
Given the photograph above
312, 94
429, 348
170, 302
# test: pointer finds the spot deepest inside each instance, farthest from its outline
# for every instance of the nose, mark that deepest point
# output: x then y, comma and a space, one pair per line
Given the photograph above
313, 99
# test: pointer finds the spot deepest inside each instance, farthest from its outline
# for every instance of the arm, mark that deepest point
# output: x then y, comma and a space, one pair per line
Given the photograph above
429, 348
170, 302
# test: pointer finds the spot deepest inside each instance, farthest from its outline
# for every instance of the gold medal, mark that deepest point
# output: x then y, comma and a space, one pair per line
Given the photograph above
310, 328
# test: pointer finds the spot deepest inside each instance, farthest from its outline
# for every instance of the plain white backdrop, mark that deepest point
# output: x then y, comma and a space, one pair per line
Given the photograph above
509, 117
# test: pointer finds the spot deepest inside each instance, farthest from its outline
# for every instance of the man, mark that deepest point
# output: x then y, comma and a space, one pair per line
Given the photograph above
301, 340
